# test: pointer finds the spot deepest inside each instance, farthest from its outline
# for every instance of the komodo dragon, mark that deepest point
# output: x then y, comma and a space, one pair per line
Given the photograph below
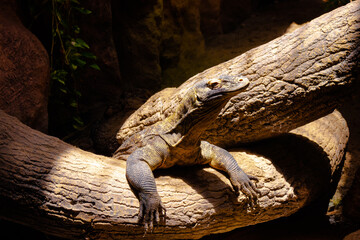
176, 140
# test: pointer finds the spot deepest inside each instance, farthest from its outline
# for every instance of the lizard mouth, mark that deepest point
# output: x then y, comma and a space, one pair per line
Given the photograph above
220, 89
229, 92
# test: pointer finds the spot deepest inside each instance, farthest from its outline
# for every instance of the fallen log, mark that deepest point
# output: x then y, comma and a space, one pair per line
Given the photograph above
295, 79
61, 190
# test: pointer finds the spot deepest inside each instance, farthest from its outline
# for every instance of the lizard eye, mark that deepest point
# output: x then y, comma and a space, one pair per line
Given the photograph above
214, 84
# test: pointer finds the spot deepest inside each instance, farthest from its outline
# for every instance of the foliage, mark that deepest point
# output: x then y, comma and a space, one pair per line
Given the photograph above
55, 23
69, 55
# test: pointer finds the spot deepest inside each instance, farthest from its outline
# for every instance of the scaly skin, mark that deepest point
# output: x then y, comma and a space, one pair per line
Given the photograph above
176, 141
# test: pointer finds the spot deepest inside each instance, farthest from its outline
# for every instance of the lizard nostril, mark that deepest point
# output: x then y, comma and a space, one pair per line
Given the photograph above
242, 79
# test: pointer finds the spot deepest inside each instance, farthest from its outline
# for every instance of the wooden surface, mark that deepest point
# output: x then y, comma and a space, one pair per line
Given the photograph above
64, 191
295, 79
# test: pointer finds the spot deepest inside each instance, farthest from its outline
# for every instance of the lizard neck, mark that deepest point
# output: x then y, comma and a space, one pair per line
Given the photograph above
186, 125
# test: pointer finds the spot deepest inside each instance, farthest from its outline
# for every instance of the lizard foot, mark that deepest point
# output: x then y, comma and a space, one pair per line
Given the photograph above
242, 182
151, 210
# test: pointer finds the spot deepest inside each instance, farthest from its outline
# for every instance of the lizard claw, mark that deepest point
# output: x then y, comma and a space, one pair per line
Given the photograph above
151, 210
242, 182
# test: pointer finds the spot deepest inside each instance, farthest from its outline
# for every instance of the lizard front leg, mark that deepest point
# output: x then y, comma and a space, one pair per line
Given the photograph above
221, 159
139, 168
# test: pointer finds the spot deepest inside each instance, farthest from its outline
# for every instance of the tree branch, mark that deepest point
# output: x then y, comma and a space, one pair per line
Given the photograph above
64, 191
295, 79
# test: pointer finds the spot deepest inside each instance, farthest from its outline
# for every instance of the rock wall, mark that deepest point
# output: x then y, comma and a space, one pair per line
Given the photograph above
155, 37
24, 71
103, 86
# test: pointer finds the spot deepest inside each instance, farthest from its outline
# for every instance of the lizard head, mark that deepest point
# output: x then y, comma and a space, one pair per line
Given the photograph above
219, 90
202, 103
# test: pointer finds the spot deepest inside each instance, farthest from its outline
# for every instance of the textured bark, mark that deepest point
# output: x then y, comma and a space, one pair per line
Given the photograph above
64, 191
295, 79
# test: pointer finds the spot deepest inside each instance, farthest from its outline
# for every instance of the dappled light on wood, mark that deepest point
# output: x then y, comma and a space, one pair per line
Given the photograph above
73, 193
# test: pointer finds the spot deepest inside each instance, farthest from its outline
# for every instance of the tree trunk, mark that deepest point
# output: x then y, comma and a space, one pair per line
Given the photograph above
295, 79
64, 191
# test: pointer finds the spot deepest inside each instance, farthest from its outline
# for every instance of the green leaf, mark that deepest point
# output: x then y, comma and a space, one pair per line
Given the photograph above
95, 66
76, 29
83, 10
80, 62
78, 120
75, 1
73, 104
77, 127
73, 67
60, 81
63, 90
88, 55
77, 93
79, 43
76, 55
59, 75
82, 43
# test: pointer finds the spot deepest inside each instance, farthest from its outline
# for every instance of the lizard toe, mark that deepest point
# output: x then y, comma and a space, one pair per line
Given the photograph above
151, 211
